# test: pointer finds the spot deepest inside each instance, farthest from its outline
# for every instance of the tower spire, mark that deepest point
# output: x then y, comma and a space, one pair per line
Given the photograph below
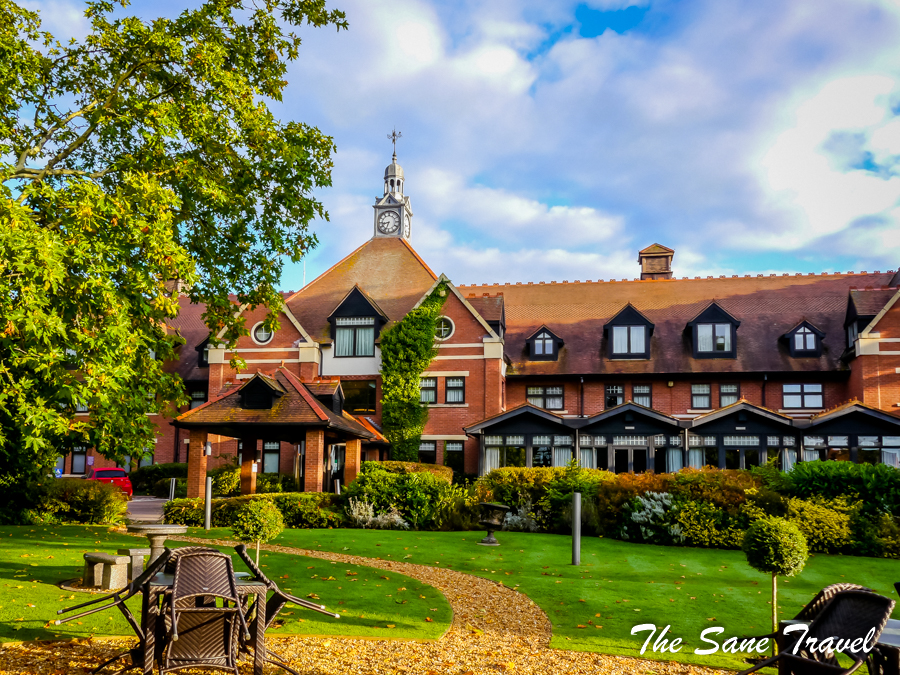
393, 138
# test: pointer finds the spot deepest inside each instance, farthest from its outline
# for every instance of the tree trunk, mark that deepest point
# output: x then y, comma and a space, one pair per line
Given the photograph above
774, 609
257, 553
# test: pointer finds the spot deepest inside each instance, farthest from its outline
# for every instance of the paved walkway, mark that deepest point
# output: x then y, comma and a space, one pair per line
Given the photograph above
494, 630
143, 509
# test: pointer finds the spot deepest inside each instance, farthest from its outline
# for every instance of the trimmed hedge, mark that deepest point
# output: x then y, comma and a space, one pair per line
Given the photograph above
301, 510
873, 484
442, 472
145, 480
74, 500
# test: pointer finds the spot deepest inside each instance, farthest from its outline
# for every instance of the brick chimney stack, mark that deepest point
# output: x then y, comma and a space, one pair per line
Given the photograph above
656, 262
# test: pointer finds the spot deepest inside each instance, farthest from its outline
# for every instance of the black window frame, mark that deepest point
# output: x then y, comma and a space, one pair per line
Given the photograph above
448, 389
630, 352
736, 394
806, 329
545, 335
694, 396
433, 389
273, 449
354, 352
609, 394
203, 398
714, 316
432, 451
803, 395
629, 317
543, 395
648, 394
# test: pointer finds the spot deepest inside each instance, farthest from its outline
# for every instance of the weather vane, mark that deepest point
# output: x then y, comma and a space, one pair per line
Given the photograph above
392, 137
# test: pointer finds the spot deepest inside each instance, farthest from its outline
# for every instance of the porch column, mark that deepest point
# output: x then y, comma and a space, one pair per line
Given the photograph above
315, 460
352, 460
248, 465
196, 479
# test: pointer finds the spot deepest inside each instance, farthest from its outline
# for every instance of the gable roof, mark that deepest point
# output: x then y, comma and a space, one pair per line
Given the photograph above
189, 324
849, 407
357, 292
297, 407
656, 249
743, 405
524, 409
443, 279
386, 269
766, 306
632, 407
870, 301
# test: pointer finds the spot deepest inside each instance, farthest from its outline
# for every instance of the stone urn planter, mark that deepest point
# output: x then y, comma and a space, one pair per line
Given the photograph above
492, 516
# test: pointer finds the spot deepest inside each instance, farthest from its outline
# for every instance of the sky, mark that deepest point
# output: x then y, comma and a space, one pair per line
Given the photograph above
548, 140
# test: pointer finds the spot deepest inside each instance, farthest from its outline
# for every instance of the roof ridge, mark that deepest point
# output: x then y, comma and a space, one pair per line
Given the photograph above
304, 393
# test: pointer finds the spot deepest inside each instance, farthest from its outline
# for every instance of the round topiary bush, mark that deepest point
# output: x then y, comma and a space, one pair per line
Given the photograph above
259, 521
775, 546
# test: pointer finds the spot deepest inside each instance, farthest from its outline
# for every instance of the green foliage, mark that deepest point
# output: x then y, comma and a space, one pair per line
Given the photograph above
442, 472
73, 500
142, 153
162, 488
824, 522
258, 520
226, 481
144, 479
298, 509
707, 526
877, 485
775, 546
407, 348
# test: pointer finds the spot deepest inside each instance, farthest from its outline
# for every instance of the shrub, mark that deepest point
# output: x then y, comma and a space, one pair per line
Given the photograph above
226, 481
520, 519
300, 510
144, 479
259, 521
273, 482
723, 487
390, 520
708, 526
650, 518
161, 488
442, 472
360, 512
875, 484
86, 501
825, 523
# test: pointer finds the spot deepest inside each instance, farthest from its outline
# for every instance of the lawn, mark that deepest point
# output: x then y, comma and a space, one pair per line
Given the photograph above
618, 586
372, 603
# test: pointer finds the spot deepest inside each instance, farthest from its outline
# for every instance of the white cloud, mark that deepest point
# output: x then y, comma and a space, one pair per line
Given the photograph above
63, 18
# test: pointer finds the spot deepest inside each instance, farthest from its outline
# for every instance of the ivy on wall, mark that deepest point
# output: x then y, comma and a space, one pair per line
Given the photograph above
407, 349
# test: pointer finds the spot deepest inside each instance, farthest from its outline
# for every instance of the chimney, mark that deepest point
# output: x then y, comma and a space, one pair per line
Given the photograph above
656, 262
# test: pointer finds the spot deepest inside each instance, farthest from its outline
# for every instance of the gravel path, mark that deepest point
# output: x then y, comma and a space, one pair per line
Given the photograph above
495, 630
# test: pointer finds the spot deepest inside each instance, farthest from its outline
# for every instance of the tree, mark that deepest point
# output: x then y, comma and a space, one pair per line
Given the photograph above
144, 154
775, 546
257, 521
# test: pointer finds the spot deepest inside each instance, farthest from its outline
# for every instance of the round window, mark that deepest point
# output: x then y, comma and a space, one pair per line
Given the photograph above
443, 328
261, 334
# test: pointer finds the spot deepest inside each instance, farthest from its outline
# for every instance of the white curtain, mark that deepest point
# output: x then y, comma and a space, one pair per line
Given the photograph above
562, 456
587, 458
675, 460
637, 339
620, 339
891, 457
696, 459
705, 337
788, 459
723, 330
810, 455
491, 459
365, 341
344, 342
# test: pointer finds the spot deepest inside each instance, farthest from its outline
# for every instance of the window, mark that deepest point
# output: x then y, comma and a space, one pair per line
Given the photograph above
261, 334
198, 398
354, 336
543, 344
615, 395
79, 459
803, 396
714, 338
628, 340
359, 396
455, 390
271, 458
804, 340
428, 390
453, 446
852, 334
203, 358
728, 394
641, 395
443, 328
550, 398
427, 452
700, 397
81, 407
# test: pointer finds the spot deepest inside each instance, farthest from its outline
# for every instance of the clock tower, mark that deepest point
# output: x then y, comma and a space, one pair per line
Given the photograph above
393, 212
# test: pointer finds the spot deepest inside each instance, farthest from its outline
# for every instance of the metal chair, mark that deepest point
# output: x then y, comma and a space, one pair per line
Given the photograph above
273, 606
118, 600
200, 632
848, 616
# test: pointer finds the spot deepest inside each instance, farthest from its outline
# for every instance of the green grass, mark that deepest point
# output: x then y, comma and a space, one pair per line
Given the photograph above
372, 603
618, 586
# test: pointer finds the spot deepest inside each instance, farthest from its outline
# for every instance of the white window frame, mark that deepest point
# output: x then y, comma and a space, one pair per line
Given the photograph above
449, 335
258, 326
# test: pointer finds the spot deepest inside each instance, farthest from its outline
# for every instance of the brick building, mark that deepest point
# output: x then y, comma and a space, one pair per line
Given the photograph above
657, 373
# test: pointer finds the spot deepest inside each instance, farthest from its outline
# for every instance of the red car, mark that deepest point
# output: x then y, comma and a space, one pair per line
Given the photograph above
117, 477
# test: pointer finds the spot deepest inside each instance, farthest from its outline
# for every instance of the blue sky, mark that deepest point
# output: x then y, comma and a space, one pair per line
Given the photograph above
552, 140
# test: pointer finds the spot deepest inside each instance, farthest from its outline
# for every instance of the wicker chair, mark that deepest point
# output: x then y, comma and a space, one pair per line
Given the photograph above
184, 550
273, 606
849, 615
118, 600
200, 633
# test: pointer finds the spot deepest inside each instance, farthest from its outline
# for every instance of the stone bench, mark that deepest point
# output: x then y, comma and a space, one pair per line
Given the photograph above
106, 571
136, 564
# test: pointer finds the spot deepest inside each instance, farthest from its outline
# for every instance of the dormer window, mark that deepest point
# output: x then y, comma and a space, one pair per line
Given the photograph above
713, 334
354, 336
805, 340
543, 345
628, 334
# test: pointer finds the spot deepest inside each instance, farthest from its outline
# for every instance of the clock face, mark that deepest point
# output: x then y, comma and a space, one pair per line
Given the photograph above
389, 222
